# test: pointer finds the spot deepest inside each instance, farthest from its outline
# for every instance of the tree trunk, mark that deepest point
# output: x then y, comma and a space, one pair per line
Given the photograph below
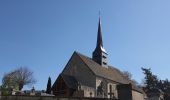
20, 87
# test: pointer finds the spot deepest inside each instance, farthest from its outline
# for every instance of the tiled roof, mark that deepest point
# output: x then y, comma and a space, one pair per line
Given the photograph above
110, 73
70, 81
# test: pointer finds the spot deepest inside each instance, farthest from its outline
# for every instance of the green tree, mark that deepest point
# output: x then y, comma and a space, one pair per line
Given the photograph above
151, 81
4, 90
8, 81
48, 90
166, 88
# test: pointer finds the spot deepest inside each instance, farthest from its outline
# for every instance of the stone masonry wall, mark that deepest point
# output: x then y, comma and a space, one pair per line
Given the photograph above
45, 98
80, 71
137, 95
77, 68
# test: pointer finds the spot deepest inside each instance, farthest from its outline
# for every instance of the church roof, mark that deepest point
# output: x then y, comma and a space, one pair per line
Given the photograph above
110, 73
70, 81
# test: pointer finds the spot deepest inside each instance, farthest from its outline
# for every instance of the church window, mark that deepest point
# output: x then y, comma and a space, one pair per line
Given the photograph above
104, 57
111, 94
110, 88
90, 94
104, 63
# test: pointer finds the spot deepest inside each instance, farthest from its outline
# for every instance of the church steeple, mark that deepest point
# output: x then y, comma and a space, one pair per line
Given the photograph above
99, 54
99, 35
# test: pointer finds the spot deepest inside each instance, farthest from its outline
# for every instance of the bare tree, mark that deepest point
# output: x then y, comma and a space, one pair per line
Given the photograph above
128, 76
19, 77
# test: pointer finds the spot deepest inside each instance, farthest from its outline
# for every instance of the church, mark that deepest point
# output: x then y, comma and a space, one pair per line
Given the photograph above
93, 77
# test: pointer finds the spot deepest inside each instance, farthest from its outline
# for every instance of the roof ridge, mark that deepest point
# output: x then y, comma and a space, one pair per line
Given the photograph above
88, 58
111, 73
82, 54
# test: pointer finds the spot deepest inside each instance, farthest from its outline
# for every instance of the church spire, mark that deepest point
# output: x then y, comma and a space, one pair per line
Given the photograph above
99, 35
99, 44
99, 54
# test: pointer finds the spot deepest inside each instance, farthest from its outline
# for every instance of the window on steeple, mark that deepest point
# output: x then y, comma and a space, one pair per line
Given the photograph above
104, 57
104, 63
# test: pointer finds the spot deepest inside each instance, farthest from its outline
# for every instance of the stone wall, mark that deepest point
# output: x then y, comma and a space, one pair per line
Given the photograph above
88, 91
101, 83
114, 89
154, 98
137, 95
107, 87
77, 68
45, 98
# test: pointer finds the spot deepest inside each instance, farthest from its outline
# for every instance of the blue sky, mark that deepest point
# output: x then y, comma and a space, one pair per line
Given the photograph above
43, 34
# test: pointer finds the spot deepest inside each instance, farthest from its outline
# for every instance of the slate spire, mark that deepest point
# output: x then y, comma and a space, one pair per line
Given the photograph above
99, 35
99, 54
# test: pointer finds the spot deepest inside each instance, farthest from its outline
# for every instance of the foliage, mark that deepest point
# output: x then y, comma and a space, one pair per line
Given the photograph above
18, 78
152, 82
48, 90
4, 90
9, 81
164, 85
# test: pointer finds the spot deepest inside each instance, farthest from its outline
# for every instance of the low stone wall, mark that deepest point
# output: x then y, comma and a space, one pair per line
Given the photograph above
47, 98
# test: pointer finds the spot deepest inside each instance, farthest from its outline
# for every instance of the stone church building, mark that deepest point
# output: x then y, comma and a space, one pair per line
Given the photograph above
93, 77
